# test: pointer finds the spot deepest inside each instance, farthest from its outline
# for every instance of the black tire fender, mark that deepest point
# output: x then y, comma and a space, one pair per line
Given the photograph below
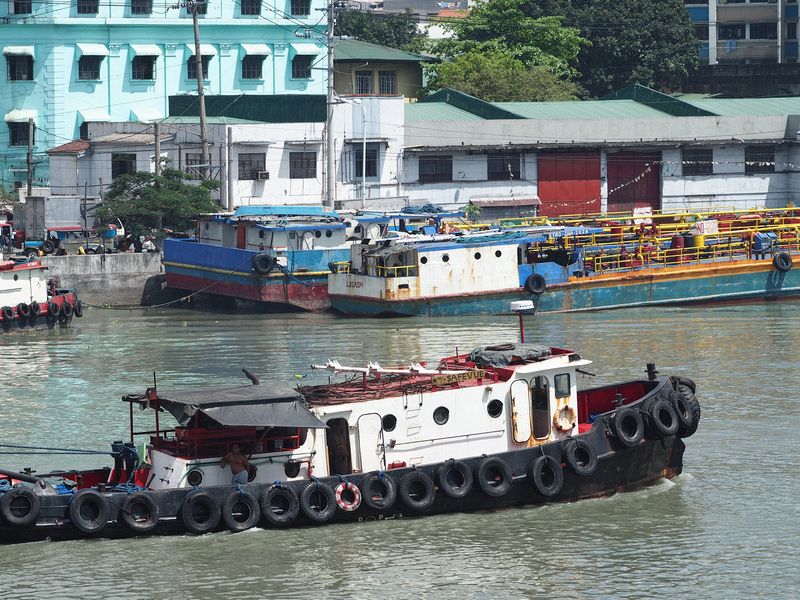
378, 491
263, 263
782, 261
536, 284
78, 308
23, 311
240, 511
200, 512
280, 505
66, 309
580, 457
318, 502
89, 511
546, 475
20, 507
417, 491
687, 408
53, 309
7, 313
628, 426
35, 309
139, 512
662, 420
494, 476
455, 478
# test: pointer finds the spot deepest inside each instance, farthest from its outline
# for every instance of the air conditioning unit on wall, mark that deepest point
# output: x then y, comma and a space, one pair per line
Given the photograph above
262, 175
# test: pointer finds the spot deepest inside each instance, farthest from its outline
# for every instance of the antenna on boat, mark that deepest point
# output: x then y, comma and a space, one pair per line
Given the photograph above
522, 307
155, 387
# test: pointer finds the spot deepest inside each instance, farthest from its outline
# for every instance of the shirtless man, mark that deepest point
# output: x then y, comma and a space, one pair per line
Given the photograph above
239, 465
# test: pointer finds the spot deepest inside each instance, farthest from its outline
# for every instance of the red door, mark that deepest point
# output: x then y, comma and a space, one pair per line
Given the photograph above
569, 183
634, 181
241, 236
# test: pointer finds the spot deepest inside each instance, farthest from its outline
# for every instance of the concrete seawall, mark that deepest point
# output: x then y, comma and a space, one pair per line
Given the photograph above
114, 279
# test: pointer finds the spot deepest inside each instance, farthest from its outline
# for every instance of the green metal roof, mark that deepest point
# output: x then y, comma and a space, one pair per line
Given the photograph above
263, 108
735, 107
358, 51
437, 111
587, 109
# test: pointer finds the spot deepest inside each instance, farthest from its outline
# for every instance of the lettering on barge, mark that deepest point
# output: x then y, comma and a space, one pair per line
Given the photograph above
457, 377
355, 284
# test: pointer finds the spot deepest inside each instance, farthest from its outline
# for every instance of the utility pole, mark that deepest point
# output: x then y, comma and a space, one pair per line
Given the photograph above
30, 156
330, 171
157, 132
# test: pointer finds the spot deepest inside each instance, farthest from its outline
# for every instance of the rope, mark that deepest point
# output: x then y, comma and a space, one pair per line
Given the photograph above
49, 450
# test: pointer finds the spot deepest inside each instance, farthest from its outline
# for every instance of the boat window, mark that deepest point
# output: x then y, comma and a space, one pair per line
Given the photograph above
441, 415
292, 468
423, 260
337, 438
328, 233
389, 422
477, 256
194, 477
540, 405
403, 286
562, 385
445, 258
261, 234
317, 234
498, 254
495, 408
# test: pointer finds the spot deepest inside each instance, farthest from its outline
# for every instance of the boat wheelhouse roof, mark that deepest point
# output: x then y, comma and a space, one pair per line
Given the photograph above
283, 211
304, 225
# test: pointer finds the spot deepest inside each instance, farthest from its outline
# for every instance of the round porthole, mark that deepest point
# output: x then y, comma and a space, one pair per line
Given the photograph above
494, 408
317, 234
477, 256
261, 234
328, 233
389, 422
441, 415
292, 468
498, 254
423, 260
16, 277
194, 477
445, 258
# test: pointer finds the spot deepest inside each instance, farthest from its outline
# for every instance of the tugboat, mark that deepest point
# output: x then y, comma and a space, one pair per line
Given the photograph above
29, 300
504, 425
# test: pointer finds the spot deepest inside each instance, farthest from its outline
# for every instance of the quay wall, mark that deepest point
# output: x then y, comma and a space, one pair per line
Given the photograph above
110, 279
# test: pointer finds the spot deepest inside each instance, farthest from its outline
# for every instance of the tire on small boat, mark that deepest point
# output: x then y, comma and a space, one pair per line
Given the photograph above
20, 507
417, 491
89, 511
280, 505
628, 426
53, 309
78, 308
35, 309
7, 313
662, 420
66, 309
318, 502
494, 476
240, 511
580, 457
23, 311
455, 478
348, 496
200, 512
536, 284
782, 261
378, 491
263, 263
139, 512
688, 409
546, 475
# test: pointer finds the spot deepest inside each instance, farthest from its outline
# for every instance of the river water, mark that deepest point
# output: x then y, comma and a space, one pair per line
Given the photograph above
729, 527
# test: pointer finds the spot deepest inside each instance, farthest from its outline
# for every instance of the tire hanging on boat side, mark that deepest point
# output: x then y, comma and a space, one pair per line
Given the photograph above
628, 426
139, 512
580, 457
455, 478
89, 511
494, 476
688, 409
782, 261
536, 284
240, 511
200, 512
20, 507
280, 504
378, 491
417, 491
318, 502
546, 475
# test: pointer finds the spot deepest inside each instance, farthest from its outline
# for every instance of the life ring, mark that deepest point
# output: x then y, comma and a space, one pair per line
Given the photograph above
628, 426
7, 313
263, 263
20, 507
66, 309
494, 476
78, 308
662, 420
348, 496
580, 456
782, 261
35, 308
455, 478
139, 512
546, 475
240, 511
280, 504
23, 311
379, 491
536, 284
417, 491
89, 511
200, 512
565, 418
53, 309
318, 502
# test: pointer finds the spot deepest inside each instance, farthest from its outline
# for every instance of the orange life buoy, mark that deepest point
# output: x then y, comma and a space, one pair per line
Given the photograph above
342, 502
565, 418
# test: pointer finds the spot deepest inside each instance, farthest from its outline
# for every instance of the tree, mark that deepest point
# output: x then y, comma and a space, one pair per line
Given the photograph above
499, 77
651, 42
393, 30
145, 202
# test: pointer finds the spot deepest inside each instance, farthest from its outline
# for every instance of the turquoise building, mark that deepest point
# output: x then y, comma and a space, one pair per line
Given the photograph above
70, 62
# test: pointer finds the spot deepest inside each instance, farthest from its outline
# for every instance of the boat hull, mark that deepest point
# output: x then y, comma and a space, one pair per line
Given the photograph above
750, 279
44, 321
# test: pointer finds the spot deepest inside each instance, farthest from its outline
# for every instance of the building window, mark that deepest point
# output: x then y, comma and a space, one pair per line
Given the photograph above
251, 164
701, 32
435, 167
143, 68
19, 134
503, 166
250, 7
302, 165
759, 159
387, 82
372, 159
191, 67
20, 67
141, 7
301, 66
731, 31
791, 31
89, 68
191, 161
87, 7
763, 31
22, 7
697, 161
363, 82
301, 8
251, 66
122, 164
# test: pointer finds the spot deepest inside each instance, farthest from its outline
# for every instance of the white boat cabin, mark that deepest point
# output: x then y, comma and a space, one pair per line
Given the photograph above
22, 283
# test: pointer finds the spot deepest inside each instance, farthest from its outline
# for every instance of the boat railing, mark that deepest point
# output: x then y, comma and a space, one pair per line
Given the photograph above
342, 266
398, 271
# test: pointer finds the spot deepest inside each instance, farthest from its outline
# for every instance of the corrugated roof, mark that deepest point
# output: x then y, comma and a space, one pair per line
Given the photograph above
356, 50
734, 107
436, 111
587, 109
73, 147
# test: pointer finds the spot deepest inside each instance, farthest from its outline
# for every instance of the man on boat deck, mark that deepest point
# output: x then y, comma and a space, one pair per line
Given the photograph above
239, 465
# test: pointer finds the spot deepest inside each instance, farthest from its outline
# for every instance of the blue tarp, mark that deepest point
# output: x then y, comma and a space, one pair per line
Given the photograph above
284, 211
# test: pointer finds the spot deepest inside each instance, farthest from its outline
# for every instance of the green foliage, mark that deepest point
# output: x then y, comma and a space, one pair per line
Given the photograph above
497, 76
395, 31
144, 202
